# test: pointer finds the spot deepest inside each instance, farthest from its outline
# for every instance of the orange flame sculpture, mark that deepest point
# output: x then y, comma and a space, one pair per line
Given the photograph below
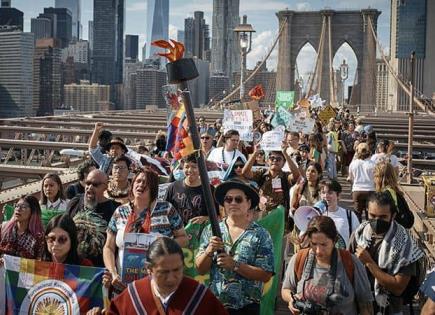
257, 92
176, 49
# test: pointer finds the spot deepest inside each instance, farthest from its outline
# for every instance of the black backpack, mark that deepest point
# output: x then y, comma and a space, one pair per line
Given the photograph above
404, 215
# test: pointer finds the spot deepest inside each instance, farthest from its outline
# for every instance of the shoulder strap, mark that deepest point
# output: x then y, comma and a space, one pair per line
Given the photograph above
349, 221
346, 259
301, 258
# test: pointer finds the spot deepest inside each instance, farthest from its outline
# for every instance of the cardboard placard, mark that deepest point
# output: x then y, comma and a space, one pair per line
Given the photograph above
285, 99
272, 140
240, 120
326, 114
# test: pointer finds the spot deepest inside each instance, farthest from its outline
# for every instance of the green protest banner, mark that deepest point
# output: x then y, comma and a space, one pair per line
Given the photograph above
193, 231
274, 224
285, 99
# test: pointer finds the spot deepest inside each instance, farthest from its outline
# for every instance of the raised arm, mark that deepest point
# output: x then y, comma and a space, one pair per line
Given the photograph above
247, 169
94, 138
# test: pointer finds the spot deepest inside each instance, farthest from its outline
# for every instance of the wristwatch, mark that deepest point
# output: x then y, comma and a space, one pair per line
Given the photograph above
236, 265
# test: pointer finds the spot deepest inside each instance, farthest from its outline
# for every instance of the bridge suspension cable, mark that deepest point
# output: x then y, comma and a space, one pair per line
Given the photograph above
318, 64
258, 67
394, 74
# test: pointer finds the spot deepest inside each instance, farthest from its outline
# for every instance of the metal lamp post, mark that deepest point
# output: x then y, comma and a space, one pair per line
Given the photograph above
244, 33
344, 73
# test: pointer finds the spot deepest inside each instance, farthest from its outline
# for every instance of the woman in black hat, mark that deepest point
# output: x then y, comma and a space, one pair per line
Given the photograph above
242, 261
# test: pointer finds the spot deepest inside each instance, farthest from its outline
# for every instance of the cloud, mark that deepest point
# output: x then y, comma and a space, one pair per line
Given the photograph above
261, 5
261, 45
173, 31
303, 6
137, 6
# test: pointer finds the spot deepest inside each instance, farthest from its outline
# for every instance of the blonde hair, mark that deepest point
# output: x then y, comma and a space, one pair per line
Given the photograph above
384, 176
362, 151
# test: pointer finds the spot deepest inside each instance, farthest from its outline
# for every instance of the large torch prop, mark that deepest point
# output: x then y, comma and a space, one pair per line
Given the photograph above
180, 70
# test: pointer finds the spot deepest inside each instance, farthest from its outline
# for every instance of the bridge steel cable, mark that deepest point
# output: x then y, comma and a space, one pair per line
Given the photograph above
331, 69
281, 29
318, 61
396, 77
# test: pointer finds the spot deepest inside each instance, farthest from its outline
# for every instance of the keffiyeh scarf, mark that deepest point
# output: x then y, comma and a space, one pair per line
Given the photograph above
398, 249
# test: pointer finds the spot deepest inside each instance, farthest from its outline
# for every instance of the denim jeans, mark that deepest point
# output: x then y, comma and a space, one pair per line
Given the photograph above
331, 165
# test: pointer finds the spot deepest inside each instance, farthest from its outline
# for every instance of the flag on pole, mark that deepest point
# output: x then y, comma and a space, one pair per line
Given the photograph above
274, 224
173, 126
39, 287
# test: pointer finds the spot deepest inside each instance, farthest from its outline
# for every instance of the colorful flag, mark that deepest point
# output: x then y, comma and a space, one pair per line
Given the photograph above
274, 224
39, 287
183, 143
173, 125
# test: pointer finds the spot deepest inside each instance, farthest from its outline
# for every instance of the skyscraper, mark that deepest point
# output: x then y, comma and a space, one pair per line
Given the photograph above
180, 36
74, 7
107, 41
91, 34
196, 36
131, 47
149, 82
409, 26
9, 16
225, 57
46, 77
157, 25
62, 20
16, 71
41, 27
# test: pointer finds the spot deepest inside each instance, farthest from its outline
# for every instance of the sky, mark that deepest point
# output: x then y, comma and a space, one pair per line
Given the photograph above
261, 14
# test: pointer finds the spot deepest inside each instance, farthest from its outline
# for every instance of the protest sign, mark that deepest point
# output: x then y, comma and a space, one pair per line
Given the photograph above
282, 117
253, 105
134, 257
285, 99
326, 114
240, 120
272, 140
301, 122
42, 287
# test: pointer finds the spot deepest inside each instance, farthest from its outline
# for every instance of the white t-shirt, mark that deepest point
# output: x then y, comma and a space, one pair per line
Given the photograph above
361, 173
216, 156
380, 157
341, 223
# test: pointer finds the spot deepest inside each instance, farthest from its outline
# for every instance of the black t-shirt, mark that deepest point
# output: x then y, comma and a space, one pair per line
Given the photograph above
74, 190
105, 209
189, 201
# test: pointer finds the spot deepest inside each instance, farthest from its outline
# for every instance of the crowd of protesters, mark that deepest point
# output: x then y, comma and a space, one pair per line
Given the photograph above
347, 261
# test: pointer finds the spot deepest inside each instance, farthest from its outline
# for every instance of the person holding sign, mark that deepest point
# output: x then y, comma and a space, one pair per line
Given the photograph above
274, 183
242, 261
226, 154
145, 214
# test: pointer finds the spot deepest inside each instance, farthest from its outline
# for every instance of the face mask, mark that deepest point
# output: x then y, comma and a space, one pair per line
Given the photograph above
379, 226
179, 175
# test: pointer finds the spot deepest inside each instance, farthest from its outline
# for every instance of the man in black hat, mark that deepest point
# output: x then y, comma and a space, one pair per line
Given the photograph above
116, 148
242, 261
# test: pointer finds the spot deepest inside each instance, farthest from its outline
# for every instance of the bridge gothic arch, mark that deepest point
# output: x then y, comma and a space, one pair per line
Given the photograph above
346, 26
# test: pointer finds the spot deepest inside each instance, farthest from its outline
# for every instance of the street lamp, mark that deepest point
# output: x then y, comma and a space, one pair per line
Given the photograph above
344, 73
244, 33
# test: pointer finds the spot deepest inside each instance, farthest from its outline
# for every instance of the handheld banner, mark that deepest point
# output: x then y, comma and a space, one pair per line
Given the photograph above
272, 140
285, 99
240, 120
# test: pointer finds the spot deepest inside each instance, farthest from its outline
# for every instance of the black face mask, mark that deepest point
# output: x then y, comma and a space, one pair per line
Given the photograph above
380, 226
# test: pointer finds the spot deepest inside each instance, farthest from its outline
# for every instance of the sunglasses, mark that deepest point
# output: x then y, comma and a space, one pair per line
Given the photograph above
238, 166
95, 184
237, 199
60, 240
275, 158
206, 138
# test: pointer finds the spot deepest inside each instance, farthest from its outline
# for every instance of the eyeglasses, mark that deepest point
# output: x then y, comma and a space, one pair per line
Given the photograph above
21, 206
237, 199
205, 138
60, 240
95, 184
275, 158
238, 166
119, 168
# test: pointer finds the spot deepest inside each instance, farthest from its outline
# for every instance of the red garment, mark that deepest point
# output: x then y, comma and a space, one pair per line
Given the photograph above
86, 262
188, 298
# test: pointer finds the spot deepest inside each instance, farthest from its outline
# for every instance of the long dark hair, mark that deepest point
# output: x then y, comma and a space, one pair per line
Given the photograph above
58, 181
319, 177
66, 223
161, 247
152, 183
322, 224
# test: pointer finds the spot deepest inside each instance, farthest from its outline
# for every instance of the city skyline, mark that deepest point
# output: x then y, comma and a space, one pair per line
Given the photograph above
261, 15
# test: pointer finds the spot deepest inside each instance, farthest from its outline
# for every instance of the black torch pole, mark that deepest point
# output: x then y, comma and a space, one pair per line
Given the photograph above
205, 181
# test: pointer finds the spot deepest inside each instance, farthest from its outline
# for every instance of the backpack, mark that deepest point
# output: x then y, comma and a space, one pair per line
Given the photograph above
346, 259
404, 215
421, 267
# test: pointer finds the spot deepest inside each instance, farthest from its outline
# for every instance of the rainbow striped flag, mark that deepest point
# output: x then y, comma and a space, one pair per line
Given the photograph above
38, 287
173, 126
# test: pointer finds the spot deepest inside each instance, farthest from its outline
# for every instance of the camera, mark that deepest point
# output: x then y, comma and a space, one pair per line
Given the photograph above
308, 307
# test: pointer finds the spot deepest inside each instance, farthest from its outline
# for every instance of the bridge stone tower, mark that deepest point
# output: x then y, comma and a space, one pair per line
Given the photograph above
346, 26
